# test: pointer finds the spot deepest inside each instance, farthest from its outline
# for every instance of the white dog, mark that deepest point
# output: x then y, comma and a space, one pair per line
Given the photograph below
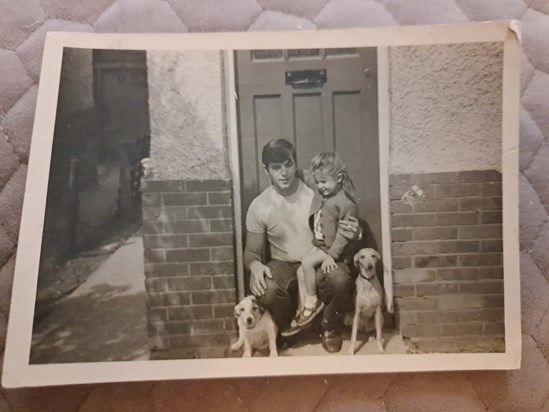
369, 296
256, 328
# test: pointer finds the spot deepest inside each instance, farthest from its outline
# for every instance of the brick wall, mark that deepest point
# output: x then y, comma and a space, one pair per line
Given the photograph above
189, 267
447, 256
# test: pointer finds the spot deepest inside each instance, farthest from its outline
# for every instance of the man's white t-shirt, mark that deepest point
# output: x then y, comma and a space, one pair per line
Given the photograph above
284, 220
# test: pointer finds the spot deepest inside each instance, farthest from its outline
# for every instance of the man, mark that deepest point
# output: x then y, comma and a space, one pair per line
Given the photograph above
279, 215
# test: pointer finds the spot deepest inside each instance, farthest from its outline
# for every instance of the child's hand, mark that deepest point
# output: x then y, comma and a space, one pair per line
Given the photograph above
328, 264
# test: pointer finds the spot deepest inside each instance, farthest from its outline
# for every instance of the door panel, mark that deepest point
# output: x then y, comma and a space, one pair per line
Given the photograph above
307, 114
339, 115
268, 125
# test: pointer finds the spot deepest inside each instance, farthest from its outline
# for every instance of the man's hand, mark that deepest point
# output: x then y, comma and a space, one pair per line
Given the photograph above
350, 228
255, 246
258, 271
328, 264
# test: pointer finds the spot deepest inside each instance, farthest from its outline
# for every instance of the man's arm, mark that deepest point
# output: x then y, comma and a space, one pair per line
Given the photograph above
255, 246
253, 251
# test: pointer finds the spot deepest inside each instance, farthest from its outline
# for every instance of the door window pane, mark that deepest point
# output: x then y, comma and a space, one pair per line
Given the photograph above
342, 51
303, 53
267, 54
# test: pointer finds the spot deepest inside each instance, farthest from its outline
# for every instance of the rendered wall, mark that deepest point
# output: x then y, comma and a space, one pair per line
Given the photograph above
186, 100
445, 107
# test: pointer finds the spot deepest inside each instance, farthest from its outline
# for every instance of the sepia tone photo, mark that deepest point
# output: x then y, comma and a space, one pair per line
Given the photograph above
139, 227
274, 202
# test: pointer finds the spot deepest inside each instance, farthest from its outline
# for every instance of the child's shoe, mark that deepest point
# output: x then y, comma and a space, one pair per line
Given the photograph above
308, 314
303, 319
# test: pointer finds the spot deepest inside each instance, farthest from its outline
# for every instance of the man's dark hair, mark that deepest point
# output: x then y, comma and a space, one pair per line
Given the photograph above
277, 151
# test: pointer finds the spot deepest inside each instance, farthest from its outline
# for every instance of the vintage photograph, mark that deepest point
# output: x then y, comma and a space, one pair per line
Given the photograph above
285, 202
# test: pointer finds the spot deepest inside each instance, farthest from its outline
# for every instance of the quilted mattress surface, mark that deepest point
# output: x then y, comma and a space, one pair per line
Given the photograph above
23, 25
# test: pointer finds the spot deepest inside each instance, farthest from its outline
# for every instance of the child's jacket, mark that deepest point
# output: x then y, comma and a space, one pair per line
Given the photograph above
332, 209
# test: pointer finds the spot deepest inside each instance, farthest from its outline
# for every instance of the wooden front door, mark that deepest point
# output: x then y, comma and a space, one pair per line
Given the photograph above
319, 99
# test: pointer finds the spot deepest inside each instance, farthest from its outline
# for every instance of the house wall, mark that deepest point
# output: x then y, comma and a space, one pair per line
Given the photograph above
445, 107
189, 267
445, 123
186, 106
76, 89
187, 209
445, 191
76, 129
448, 261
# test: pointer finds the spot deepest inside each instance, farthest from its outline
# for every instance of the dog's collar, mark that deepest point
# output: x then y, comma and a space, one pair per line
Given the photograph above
369, 279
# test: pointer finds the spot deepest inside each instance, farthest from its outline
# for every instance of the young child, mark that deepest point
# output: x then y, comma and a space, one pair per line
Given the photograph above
335, 198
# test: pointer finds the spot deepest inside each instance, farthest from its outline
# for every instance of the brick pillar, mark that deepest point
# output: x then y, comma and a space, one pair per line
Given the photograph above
189, 267
447, 254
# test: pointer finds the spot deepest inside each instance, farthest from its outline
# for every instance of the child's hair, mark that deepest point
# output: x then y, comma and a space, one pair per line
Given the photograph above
331, 164
277, 151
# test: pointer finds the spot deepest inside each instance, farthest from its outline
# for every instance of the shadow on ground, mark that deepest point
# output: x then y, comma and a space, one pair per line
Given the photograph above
103, 324
61, 280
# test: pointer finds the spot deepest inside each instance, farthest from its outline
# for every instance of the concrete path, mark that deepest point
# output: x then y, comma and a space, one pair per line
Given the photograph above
104, 319
311, 346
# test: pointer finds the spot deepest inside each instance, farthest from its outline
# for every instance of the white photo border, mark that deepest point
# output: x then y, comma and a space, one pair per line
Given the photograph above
17, 371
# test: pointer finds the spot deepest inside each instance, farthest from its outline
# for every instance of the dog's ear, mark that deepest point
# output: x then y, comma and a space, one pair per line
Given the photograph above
257, 305
236, 311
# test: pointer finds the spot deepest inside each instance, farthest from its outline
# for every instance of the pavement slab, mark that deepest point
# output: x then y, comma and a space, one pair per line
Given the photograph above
109, 307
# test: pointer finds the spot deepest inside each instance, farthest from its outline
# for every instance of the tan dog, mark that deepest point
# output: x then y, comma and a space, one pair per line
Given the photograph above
256, 328
369, 296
